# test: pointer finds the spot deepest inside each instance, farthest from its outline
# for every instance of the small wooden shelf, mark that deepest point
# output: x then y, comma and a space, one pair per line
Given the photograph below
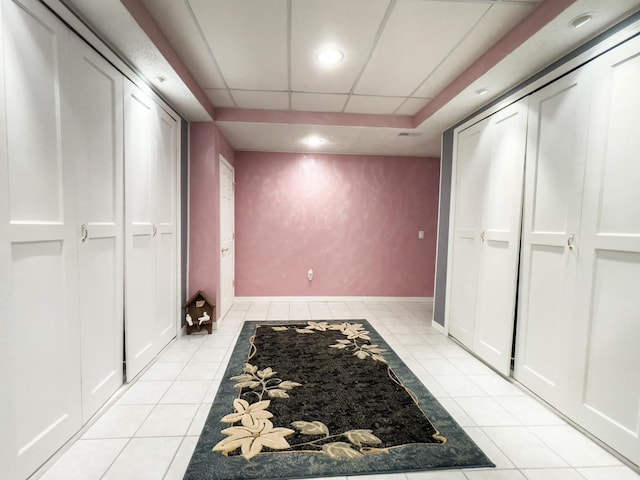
196, 306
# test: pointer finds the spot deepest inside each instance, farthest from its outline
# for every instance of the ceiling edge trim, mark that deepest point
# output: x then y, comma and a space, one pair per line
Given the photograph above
338, 119
149, 26
258, 154
540, 17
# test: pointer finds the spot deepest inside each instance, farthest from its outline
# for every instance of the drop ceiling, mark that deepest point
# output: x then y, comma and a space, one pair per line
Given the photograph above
408, 65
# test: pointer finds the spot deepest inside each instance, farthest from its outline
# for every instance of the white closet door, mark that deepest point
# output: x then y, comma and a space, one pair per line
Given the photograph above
608, 294
151, 152
7, 429
97, 101
40, 399
498, 272
140, 230
227, 237
165, 188
556, 149
472, 164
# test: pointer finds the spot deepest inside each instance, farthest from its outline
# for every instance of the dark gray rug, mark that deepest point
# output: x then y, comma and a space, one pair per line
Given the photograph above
313, 399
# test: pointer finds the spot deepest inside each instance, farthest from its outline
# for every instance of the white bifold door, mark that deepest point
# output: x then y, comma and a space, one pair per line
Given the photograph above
40, 400
556, 152
578, 325
60, 235
227, 238
486, 234
98, 144
608, 299
151, 231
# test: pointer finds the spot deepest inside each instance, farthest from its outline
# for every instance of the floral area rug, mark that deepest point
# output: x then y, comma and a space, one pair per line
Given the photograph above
313, 399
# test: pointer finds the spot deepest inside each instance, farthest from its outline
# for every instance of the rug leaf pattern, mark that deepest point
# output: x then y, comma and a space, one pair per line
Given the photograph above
333, 389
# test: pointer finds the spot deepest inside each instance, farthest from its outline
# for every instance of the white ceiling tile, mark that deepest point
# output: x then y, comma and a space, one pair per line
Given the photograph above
499, 19
248, 39
349, 26
412, 106
377, 105
219, 97
261, 99
318, 102
245, 33
400, 61
180, 28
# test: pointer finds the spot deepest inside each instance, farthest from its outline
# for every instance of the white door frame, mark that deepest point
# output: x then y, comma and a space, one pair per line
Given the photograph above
223, 306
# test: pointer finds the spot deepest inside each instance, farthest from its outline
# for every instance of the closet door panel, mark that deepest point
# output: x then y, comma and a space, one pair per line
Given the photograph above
471, 170
462, 306
7, 427
140, 252
619, 207
165, 192
45, 362
39, 242
493, 335
166, 317
97, 88
557, 137
607, 293
167, 313
34, 61
541, 360
612, 374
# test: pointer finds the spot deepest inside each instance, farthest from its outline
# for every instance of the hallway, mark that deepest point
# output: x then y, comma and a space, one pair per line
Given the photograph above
151, 429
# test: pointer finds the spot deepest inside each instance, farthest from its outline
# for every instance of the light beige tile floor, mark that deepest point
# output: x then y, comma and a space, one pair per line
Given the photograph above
151, 430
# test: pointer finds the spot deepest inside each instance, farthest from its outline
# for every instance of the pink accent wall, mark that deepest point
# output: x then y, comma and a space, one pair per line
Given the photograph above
206, 143
353, 219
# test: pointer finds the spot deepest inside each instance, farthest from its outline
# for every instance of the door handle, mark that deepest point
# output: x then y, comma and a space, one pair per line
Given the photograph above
483, 236
155, 230
570, 240
224, 250
84, 233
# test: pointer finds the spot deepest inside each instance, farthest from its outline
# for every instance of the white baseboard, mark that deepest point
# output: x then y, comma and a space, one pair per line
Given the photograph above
334, 299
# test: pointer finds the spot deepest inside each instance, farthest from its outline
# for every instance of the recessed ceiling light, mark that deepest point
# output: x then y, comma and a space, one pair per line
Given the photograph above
581, 20
482, 91
330, 56
314, 141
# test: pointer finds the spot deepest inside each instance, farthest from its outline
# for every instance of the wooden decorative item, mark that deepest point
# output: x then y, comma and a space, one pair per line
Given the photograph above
200, 313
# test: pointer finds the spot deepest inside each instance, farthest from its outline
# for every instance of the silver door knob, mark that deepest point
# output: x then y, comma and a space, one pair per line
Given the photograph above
155, 230
224, 250
570, 241
84, 233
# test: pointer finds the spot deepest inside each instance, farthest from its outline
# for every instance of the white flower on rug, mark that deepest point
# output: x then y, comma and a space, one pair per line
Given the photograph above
355, 332
250, 416
264, 381
252, 439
